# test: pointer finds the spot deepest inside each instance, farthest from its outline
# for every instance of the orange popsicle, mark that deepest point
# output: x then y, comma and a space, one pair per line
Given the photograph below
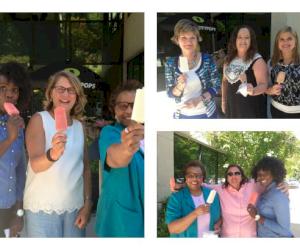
60, 119
253, 198
10, 109
172, 184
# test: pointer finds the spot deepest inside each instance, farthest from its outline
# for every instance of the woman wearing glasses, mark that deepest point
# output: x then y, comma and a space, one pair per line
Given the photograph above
120, 210
58, 187
188, 214
235, 195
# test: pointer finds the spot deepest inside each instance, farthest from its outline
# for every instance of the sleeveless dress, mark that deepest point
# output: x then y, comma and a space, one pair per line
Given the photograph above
237, 105
58, 189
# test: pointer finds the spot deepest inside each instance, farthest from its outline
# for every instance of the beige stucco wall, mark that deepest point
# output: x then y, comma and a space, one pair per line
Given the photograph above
279, 20
165, 163
133, 35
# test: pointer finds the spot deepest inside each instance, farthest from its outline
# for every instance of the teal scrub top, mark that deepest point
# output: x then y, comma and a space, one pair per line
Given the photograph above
120, 209
181, 204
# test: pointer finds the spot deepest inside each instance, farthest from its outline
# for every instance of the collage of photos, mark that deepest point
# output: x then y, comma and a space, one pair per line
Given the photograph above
71, 125
73, 102
228, 184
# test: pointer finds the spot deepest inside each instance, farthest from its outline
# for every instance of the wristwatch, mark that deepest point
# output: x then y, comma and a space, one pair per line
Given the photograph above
257, 217
20, 213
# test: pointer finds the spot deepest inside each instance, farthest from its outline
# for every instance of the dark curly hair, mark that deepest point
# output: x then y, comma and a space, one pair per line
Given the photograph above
196, 164
244, 177
16, 73
232, 50
272, 164
129, 85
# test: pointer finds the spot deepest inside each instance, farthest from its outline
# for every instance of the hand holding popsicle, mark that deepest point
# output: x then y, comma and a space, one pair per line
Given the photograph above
181, 82
251, 210
131, 137
243, 77
58, 145
202, 209
14, 122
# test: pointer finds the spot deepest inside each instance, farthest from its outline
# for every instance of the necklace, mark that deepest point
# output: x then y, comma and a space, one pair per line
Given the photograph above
193, 62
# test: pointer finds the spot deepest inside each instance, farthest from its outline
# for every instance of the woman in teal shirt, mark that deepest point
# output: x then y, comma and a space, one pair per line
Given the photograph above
188, 214
120, 210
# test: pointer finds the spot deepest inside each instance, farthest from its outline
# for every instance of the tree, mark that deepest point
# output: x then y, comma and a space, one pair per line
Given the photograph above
246, 148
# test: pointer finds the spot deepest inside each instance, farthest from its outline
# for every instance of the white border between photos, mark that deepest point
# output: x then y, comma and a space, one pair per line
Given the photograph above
152, 125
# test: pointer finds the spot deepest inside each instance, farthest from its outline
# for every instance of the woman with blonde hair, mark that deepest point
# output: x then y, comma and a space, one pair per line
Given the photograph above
58, 187
192, 79
285, 75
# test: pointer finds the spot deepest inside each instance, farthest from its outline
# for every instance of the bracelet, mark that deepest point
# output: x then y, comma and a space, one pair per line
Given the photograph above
48, 155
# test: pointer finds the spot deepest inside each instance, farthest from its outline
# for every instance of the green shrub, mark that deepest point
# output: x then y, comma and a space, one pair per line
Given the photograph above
162, 228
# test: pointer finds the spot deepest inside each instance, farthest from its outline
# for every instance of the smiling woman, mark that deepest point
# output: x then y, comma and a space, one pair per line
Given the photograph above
272, 211
191, 79
188, 214
58, 185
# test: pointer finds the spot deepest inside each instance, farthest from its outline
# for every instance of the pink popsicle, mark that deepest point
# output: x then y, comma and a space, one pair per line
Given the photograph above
253, 198
60, 119
10, 109
172, 184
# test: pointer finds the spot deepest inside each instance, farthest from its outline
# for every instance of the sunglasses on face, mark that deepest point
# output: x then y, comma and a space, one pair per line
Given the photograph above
124, 105
194, 176
234, 173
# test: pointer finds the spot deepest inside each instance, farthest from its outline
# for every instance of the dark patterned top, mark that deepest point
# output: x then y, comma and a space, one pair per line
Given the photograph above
290, 92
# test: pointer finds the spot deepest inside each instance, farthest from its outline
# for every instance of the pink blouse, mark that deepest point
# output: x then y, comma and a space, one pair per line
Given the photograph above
236, 219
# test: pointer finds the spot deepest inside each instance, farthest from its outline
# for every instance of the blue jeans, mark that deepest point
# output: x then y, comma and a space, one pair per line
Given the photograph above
52, 225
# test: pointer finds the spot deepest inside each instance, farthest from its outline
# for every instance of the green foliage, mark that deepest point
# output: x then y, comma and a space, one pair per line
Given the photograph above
293, 164
186, 150
246, 148
162, 228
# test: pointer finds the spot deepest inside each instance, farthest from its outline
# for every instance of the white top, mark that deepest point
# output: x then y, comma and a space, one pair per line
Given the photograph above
202, 220
193, 88
60, 188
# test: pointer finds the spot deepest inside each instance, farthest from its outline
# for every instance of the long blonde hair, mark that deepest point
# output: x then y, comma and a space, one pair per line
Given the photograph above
78, 108
277, 55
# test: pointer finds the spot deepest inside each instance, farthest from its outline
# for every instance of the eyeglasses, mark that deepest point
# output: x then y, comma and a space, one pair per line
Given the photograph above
4, 90
233, 173
124, 105
61, 90
194, 176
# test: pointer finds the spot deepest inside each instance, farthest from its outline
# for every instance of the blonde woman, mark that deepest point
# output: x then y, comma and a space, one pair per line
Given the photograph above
58, 188
285, 75
193, 88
